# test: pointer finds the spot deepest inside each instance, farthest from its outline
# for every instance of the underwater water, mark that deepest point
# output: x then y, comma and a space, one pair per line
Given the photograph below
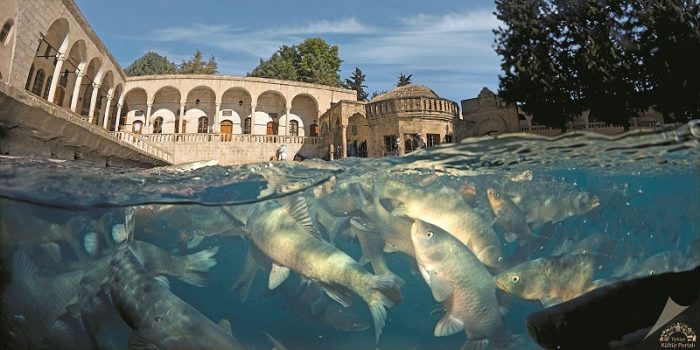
487, 231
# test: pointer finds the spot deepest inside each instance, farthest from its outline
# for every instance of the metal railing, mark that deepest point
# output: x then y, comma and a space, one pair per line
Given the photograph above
144, 145
238, 138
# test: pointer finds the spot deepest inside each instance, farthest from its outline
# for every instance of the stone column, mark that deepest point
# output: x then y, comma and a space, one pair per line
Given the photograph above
119, 117
147, 122
215, 123
107, 111
286, 121
344, 139
76, 92
331, 149
252, 119
56, 77
93, 102
182, 117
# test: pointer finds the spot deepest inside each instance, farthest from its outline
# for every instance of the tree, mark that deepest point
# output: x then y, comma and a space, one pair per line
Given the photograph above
312, 61
196, 65
151, 63
404, 80
356, 82
377, 93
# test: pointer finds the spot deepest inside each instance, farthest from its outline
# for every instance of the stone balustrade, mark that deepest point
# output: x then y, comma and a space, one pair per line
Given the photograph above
144, 145
215, 137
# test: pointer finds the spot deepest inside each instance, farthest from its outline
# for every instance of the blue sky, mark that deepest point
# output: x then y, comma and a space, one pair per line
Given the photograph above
446, 45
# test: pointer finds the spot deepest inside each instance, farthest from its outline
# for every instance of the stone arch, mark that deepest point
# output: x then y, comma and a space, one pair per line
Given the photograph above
191, 120
134, 108
305, 107
88, 84
167, 98
75, 63
52, 43
492, 125
8, 20
270, 106
357, 135
201, 99
117, 100
105, 90
236, 102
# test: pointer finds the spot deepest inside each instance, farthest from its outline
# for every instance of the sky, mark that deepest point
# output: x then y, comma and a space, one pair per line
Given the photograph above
446, 45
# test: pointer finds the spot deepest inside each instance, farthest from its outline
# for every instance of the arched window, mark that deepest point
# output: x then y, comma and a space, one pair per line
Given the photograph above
48, 87
272, 128
158, 125
294, 128
5, 32
203, 125
313, 130
247, 126
29, 78
38, 82
137, 127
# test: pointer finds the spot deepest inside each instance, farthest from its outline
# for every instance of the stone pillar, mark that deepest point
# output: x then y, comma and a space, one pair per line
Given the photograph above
118, 118
56, 77
76, 92
182, 117
252, 119
286, 121
344, 139
215, 123
147, 122
93, 102
107, 111
331, 149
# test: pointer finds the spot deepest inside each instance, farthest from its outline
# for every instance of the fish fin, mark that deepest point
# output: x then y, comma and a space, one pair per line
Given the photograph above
377, 309
194, 240
119, 233
129, 224
510, 237
389, 248
277, 275
253, 260
479, 344
225, 326
550, 301
298, 209
441, 289
23, 267
138, 341
448, 325
162, 280
202, 261
338, 295
389, 285
53, 250
91, 243
400, 210
363, 260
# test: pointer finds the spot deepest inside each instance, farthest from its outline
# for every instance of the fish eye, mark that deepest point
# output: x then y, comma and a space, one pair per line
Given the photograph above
651, 272
429, 234
515, 279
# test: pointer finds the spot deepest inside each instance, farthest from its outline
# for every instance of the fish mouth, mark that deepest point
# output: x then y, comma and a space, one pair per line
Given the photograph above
595, 201
501, 285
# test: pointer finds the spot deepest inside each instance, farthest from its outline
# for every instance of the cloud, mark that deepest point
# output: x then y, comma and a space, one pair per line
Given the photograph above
343, 26
480, 20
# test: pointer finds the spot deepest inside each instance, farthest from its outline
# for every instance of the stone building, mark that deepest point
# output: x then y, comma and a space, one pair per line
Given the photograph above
390, 124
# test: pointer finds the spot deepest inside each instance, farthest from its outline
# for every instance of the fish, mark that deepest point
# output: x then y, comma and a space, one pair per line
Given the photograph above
462, 283
286, 235
551, 279
628, 310
666, 261
510, 216
158, 317
446, 208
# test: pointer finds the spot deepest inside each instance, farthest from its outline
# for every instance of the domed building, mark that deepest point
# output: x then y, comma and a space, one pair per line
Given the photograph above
396, 122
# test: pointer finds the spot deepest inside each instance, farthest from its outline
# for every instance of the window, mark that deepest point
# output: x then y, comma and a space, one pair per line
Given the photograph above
203, 125
390, 143
38, 82
137, 127
227, 113
48, 87
272, 128
411, 143
158, 125
247, 126
138, 113
294, 128
448, 139
433, 139
29, 78
5, 32
60, 96
313, 130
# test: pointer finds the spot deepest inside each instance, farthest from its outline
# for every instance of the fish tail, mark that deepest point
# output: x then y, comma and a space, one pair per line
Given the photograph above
389, 285
377, 308
197, 265
384, 294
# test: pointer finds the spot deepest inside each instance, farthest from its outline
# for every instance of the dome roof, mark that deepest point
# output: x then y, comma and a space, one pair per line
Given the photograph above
407, 91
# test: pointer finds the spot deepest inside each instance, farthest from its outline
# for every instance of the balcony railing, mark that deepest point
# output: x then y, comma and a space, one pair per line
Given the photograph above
206, 138
144, 145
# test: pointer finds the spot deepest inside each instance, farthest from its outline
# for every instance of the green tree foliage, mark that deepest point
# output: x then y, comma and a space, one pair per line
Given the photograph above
404, 80
312, 61
196, 65
357, 83
614, 58
377, 93
151, 63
